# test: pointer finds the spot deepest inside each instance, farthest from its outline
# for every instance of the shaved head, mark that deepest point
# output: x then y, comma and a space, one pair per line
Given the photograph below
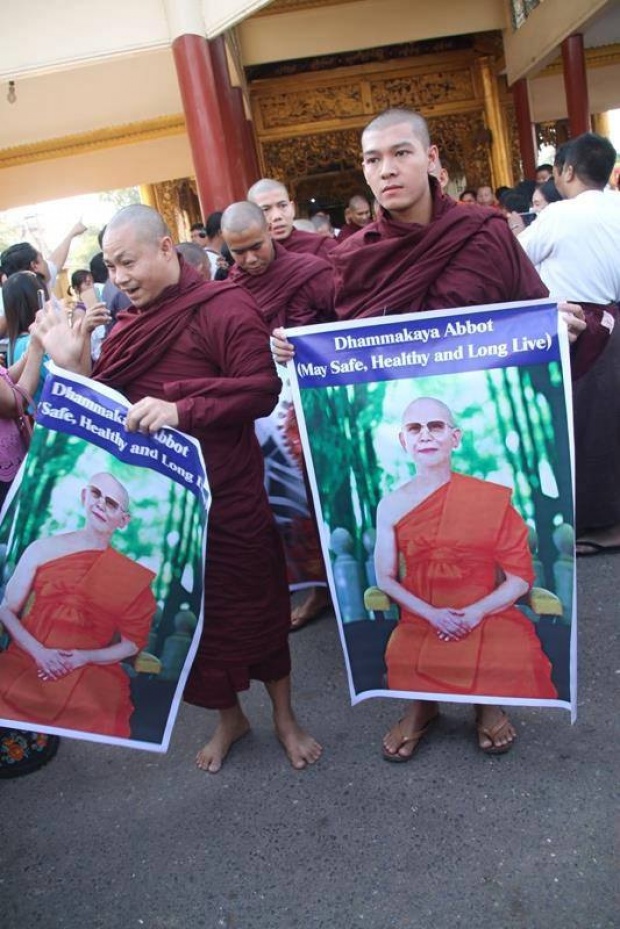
397, 117
147, 224
239, 217
358, 202
108, 483
267, 185
195, 255
279, 211
428, 404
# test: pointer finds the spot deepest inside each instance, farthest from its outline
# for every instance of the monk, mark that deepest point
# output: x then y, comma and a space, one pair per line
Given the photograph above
273, 199
442, 540
291, 290
424, 253
356, 216
194, 355
75, 608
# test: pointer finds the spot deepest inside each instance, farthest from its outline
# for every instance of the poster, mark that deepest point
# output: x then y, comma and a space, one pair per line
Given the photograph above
278, 435
102, 541
474, 496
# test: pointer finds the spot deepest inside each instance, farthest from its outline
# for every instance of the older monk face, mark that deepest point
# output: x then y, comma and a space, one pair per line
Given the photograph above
428, 433
106, 503
140, 265
358, 212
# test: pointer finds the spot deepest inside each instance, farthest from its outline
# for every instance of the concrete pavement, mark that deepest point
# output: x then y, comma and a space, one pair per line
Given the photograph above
106, 838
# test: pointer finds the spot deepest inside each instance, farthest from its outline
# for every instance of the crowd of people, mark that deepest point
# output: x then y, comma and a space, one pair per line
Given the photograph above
189, 333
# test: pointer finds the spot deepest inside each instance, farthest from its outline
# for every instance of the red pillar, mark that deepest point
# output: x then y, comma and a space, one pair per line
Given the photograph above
576, 85
206, 126
235, 142
525, 129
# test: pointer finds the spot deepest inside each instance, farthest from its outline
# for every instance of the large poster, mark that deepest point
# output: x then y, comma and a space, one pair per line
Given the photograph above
439, 451
102, 545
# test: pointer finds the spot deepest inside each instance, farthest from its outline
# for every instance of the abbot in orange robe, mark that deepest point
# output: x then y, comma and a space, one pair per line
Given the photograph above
452, 549
79, 601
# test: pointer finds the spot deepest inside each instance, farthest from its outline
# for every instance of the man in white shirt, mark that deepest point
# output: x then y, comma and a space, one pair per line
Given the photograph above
574, 245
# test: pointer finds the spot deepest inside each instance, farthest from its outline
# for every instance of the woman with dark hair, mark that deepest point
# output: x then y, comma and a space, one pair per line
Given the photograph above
80, 280
544, 195
22, 752
21, 299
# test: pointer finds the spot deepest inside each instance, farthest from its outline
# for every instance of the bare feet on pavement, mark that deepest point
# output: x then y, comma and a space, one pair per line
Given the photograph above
211, 757
301, 748
315, 603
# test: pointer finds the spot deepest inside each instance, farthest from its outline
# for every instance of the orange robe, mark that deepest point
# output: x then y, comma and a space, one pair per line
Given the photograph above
86, 600
453, 548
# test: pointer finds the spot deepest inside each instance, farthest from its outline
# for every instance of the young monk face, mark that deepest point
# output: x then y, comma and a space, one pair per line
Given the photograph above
396, 166
428, 433
252, 249
279, 211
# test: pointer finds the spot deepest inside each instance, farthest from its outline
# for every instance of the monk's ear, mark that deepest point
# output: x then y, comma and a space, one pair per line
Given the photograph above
457, 435
126, 519
167, 247
433, 157
83, 496
401, 439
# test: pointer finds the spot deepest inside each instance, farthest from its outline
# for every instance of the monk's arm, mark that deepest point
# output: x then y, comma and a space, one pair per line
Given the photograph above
505, 595
247, 387
111, 654
47, 660
445, 621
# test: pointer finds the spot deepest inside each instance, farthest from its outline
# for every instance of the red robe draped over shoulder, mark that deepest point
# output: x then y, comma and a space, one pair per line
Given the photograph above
308, 243
461, 258
451, 548
295, 290
80, 601
205, 347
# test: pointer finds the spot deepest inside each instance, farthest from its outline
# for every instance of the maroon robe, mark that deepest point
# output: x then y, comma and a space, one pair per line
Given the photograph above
205, 347
461, 258
295, 290
308, 243
347, 231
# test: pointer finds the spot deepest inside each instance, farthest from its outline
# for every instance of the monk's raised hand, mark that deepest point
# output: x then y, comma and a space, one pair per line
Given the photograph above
282, 350
61, 332
574, 317
149, 415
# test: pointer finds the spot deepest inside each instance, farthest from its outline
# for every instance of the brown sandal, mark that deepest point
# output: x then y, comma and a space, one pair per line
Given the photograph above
491, 733
415, 738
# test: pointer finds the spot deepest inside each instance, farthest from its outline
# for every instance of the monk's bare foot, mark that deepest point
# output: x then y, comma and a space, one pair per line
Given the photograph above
315, 603
211, 757
496, 733
401, 741
301, 748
